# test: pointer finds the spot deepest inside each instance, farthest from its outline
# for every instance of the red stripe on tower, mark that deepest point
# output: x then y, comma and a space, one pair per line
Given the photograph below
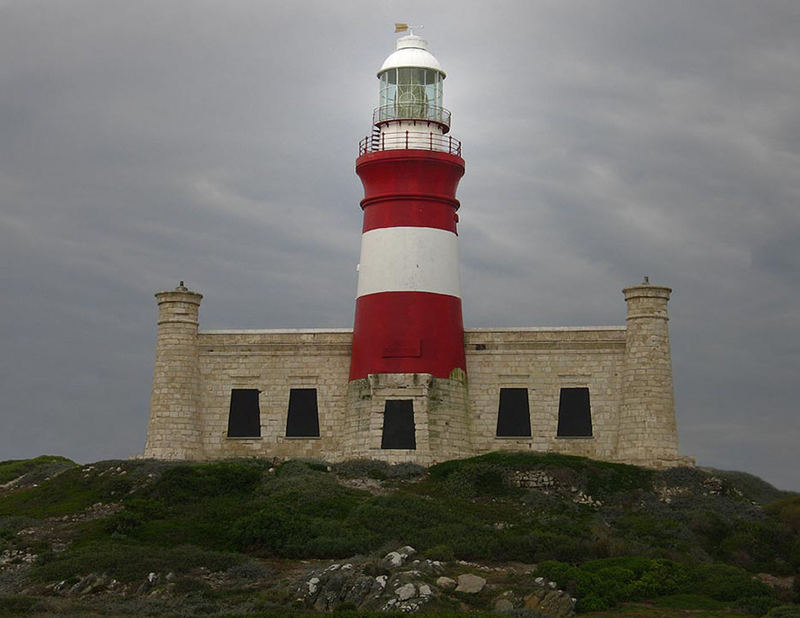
408, 307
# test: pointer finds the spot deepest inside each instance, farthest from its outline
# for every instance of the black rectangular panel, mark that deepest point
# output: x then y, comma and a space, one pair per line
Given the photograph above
513, 414
574, 412
303, 418
244, 418
398, 424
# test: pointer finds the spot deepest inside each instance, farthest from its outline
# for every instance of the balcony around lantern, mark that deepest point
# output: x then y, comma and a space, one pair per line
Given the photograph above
409, 140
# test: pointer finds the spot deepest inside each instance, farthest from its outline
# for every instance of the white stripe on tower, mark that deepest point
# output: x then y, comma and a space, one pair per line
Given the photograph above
409, 259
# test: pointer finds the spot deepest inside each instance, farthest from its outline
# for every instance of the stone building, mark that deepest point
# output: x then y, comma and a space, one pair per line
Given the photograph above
408, 382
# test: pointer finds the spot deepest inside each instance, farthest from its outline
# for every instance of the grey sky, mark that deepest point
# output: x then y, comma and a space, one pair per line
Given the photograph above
146, 142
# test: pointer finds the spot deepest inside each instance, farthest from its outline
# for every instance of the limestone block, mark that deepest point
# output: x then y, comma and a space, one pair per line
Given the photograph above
470, 584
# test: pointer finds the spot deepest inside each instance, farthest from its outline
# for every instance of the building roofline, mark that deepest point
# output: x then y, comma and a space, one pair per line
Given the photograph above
491, 329
523, 329
272, 331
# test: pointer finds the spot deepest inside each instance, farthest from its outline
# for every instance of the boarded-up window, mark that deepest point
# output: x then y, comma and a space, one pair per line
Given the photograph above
513, 413
303, 418
574, 412
398, 424
244, 419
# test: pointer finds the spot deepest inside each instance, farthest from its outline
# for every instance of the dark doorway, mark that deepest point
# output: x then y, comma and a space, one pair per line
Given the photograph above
398, 424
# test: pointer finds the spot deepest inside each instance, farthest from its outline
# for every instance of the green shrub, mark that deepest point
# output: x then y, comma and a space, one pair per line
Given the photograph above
441, 552
784, 611
618, 582
610, 479
317, 497
596, 478
710, 528
363, 468
69, 492
17, 605
124, 522
662, 577
403, 515
727, 583
757, 605
187, 483
129, 563
479, 478
652, 530
405, 471
316, 465
555, 545
191, 585
379, 470
787, 511
269, 530
288, 534
559, 572
761, 545
591, 603
250, 571
615, 580
635, 564
14, 468
689, 602
752, 487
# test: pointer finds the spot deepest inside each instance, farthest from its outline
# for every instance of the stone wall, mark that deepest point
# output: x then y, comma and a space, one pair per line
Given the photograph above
544, 360
273, 361
440, 417
627, 371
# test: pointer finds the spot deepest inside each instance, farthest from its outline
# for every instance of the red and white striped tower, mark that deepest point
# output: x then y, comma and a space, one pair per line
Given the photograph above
408, 308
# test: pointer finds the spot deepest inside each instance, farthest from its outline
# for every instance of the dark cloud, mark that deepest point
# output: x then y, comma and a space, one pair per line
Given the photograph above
143, 143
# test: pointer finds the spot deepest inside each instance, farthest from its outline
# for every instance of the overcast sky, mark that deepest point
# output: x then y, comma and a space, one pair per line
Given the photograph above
144, 142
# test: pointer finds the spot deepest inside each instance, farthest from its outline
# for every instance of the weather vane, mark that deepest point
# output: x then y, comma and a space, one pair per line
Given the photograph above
404, 27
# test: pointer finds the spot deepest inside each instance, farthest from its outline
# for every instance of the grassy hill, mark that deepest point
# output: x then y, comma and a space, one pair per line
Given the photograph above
244, 536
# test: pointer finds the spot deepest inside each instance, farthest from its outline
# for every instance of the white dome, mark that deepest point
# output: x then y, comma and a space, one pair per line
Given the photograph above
412, 51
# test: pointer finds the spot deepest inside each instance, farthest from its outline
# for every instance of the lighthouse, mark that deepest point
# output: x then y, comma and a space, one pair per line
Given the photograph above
395, 387
408, 335
408, 306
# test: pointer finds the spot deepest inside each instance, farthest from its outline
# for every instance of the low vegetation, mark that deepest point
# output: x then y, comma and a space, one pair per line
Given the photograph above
33, 470
601, 584
677, 540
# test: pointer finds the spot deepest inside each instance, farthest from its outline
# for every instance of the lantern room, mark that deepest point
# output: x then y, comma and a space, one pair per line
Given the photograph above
411, 86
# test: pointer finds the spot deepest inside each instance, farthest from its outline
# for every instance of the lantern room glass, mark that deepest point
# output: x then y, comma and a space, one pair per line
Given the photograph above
411, 92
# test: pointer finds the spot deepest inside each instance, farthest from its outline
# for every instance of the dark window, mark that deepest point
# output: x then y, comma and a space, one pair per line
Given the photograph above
398, 424
244, 418
574, 412
303, 418
514, 415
